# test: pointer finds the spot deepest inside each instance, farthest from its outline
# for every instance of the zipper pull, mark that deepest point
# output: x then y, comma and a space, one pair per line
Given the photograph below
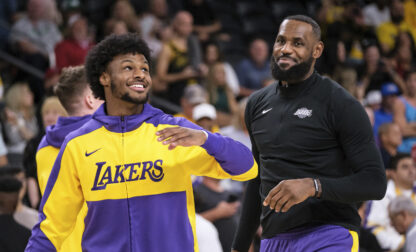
122, 123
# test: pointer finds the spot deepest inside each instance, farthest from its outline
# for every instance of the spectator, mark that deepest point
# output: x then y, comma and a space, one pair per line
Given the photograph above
124, 11
21, 124
207, 235
410, 13
367, 241
404, 113
237, 130
113, 26
180, 62
402, 212
376, 13
373, 100
384, 114
205, 115
403, 175
390, 137
13, 236
388, 31
220, 94
374, 70
206, 24
74, 48
403, 54
212, 55
253, 70
154, 26
35, 37
24, 215
212, 202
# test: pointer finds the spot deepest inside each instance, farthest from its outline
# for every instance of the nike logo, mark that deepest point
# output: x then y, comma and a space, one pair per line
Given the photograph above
87, 154
266, 110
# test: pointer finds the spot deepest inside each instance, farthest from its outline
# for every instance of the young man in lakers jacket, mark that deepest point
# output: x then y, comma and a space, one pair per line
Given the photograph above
76, 97
131, 164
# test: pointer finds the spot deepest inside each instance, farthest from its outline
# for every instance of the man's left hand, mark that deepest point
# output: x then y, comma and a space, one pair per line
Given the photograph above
181, 136
288, 193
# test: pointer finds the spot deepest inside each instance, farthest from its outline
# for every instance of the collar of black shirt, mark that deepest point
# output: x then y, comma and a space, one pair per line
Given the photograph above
295, 89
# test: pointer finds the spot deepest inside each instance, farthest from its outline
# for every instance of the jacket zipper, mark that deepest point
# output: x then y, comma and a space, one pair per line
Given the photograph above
123, 129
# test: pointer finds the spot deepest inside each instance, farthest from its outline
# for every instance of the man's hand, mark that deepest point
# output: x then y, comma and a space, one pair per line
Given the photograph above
181, 136
225, 209
288, 193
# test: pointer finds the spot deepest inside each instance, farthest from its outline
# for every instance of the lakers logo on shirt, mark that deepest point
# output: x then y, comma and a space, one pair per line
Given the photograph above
303, 113
127, 172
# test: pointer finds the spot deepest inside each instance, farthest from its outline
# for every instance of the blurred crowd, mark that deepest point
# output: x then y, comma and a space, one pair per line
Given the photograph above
208, 56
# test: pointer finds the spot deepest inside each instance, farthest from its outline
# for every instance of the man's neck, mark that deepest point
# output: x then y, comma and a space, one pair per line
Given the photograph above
403, 186
300, 80
130, 109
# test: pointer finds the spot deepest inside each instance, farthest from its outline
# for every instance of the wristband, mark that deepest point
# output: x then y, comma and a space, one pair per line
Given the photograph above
315, 182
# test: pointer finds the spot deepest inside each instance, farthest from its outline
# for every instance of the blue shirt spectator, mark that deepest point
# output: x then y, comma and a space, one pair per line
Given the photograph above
389, 92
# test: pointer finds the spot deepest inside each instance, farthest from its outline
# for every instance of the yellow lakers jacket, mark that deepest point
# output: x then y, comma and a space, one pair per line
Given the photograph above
138, 193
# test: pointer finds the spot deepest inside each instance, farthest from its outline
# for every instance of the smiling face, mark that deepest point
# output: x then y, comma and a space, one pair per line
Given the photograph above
295, 51
126, 81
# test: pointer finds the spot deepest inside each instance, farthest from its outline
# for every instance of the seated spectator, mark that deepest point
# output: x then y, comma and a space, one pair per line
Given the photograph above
212, 202
154, 26
403, 57
388, 31
390, 137
237, 130
410, 13
220, 94
206, 24
404, 113
23, 214
13, 236
384, 114
113, 26
376, 13
35, 37
253, 70
373, 100
74, 48
212, 55
205, 116
403, 174
402, 212
367, 241
20, 124
207, 235
123, 10
180, 61
374, 71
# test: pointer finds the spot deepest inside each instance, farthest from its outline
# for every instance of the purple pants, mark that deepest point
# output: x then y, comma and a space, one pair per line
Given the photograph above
325, 238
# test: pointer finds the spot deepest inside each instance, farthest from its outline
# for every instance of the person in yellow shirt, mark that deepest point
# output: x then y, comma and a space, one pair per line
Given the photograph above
388, 31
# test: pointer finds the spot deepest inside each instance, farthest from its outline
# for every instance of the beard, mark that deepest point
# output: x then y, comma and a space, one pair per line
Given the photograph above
295, 73
128, 98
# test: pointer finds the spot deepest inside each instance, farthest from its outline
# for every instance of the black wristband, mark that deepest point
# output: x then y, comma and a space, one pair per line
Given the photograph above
315, 182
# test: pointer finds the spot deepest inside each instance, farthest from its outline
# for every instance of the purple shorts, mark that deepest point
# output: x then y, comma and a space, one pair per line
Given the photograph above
325, 238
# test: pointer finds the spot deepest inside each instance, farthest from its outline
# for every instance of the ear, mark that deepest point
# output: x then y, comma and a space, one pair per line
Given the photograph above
105, 79
89, 101
318, 49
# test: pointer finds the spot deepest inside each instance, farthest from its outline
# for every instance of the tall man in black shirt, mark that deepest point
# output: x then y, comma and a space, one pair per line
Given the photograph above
316, 153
